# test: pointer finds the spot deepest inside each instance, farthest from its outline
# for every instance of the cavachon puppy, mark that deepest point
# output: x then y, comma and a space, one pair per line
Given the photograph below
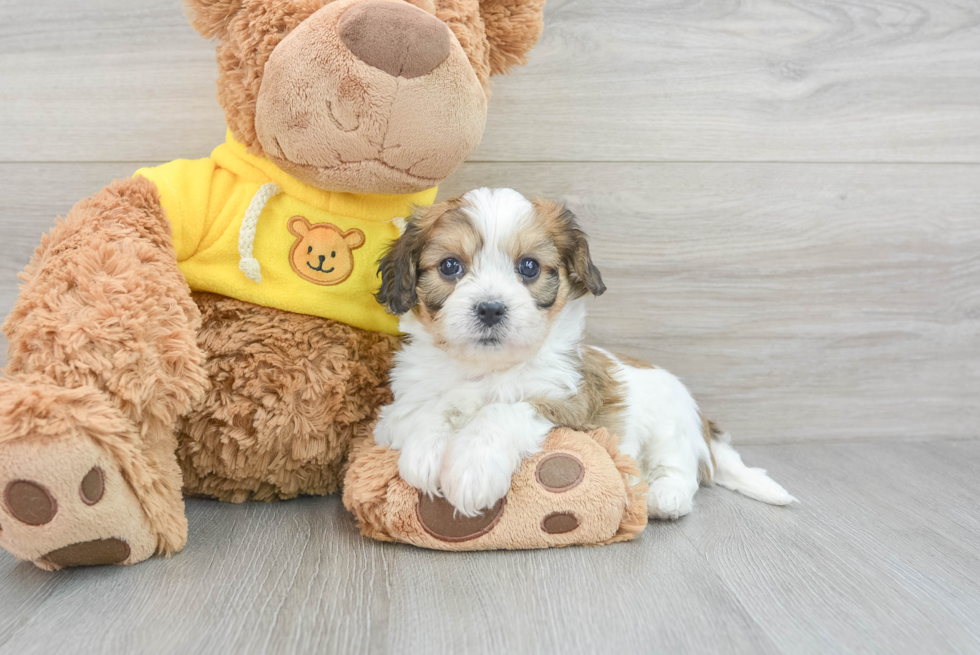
490, 289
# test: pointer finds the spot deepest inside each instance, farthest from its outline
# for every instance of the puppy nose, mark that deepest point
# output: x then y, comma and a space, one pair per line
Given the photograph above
400, 39
490, 313
322, 257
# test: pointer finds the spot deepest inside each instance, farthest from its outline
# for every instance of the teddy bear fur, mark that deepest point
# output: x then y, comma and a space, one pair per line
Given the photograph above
605, 504
495, 36
117, 370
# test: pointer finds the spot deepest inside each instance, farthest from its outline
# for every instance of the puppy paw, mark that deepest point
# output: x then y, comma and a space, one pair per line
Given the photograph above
420, 462
668, 499
475, 478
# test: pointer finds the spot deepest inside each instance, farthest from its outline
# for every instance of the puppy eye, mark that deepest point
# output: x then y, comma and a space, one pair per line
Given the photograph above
309, 250
529, 269
333, 253
451, 267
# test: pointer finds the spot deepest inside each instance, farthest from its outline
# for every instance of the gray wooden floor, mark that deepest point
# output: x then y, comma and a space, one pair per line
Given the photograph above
881, 556
784, 199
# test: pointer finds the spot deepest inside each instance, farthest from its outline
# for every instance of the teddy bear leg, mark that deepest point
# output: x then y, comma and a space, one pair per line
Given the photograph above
288, 393
578, 490
102, 360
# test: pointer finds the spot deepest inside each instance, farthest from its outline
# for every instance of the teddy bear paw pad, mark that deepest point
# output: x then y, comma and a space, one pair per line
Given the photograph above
29, 502
559, 472
95, 552
559, 522
442, 521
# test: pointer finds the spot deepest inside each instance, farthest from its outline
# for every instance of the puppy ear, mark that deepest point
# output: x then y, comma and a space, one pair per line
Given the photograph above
399, 269
512, 27
211, 17
583, 276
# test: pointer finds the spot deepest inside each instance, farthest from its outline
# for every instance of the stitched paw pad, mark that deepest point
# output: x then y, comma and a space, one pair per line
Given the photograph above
442, 521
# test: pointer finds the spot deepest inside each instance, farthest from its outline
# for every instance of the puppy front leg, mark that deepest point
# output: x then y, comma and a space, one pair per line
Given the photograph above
485, 454
421, 435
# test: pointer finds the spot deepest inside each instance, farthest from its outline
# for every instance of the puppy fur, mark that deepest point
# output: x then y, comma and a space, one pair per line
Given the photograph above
473, 397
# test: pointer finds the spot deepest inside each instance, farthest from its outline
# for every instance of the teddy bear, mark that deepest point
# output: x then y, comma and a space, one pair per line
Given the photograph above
208, 327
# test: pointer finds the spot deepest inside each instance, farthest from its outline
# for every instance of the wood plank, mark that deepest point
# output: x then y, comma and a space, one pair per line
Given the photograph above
764, 80
865, 563
105, 80
653, 595
798, 302
767, 80
254, 578
876, 558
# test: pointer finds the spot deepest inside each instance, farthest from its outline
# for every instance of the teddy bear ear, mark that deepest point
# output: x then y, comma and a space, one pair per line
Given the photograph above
211, 17
512, 28
354, 238
298, 226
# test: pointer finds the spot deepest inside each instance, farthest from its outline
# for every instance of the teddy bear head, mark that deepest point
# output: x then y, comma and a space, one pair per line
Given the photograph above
363, 96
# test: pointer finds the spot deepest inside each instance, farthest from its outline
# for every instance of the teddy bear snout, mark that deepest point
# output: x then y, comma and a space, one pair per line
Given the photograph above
396, 37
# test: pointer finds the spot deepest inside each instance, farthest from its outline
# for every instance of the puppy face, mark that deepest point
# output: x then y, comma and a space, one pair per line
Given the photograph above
488, 273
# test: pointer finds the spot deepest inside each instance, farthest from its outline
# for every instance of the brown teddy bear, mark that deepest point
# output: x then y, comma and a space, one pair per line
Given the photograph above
209, 326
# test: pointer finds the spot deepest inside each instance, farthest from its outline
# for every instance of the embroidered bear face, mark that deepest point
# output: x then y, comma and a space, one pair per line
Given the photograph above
323, 253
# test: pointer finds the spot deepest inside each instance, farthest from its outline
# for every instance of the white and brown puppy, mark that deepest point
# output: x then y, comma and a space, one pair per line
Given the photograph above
490, 289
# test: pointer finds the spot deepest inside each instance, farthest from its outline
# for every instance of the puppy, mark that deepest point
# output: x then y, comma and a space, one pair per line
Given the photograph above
490, 288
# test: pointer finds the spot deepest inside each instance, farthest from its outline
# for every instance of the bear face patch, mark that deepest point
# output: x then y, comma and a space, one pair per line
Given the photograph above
323, 253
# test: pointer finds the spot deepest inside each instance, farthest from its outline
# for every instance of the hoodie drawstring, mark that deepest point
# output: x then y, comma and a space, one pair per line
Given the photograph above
248, 264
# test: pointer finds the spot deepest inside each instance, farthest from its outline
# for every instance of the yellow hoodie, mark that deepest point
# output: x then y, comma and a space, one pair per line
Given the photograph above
245, 229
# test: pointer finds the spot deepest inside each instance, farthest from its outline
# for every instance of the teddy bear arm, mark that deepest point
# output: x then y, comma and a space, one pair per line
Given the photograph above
104, 304
102, 360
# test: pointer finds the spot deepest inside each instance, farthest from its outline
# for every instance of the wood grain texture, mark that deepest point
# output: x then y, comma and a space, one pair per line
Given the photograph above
575, 600
746, 80
843, 566
639, 80
254, 578
879, 557
105, 80
799, 302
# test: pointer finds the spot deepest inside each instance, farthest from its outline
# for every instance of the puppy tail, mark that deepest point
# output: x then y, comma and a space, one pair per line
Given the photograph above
730, 472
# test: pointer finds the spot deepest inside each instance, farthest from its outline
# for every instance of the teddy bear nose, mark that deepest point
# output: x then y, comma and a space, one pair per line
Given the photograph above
396, 37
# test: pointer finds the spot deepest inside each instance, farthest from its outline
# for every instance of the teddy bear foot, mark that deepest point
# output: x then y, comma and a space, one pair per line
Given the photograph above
578, 491
63, 498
